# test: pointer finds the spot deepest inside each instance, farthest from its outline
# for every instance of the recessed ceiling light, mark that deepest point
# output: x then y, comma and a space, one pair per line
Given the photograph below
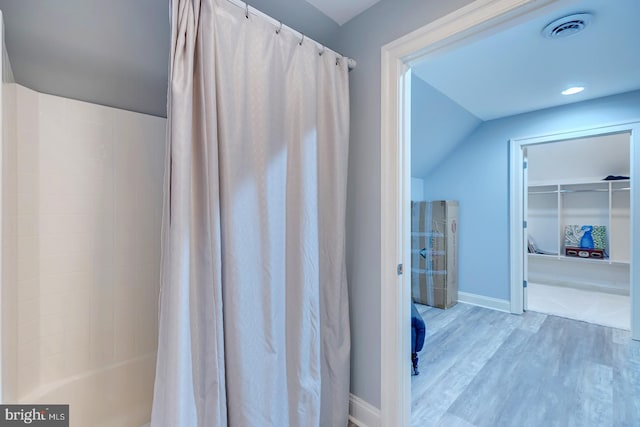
572, 90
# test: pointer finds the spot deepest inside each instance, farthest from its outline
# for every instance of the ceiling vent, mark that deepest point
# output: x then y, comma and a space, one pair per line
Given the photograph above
567, 26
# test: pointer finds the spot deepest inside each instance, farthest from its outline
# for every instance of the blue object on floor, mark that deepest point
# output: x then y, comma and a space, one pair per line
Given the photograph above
418, 331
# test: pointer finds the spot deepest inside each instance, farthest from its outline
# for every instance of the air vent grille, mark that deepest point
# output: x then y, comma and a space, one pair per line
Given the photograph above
567, 26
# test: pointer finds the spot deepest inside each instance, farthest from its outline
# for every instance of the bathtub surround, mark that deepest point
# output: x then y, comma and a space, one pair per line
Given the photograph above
254, 325
9, 212
87, 202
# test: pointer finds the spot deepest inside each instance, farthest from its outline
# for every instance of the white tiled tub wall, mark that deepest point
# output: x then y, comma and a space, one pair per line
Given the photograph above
89, 207
9, 287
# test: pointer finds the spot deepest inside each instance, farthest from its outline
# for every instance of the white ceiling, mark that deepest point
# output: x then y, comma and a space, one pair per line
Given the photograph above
518, 70
342, 11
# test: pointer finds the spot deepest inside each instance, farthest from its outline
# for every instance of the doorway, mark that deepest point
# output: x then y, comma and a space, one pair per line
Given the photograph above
397, 59
579, 189
574, 201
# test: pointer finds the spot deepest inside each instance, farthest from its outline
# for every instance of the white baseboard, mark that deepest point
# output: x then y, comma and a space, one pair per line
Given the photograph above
486, 302
363, 414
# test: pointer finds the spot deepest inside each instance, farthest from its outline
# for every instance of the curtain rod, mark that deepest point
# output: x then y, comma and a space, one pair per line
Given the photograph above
351, 63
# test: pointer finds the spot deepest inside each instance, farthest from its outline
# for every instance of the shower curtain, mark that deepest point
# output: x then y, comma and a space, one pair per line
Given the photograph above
254, 327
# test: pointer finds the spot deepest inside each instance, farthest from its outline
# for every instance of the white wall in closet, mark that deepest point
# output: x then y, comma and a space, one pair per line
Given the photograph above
584, 159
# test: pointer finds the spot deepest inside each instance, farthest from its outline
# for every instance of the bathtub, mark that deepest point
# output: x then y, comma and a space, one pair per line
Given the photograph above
117, 396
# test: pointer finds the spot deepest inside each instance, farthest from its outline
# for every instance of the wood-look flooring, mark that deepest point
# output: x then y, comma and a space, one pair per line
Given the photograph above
481, 367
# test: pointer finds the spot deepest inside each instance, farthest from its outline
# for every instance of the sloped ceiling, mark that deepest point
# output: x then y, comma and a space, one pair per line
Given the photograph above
518, 70
112, 52
342, 11
438, 126
115, 52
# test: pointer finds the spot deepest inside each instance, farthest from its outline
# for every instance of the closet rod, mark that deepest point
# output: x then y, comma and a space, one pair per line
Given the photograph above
596, 190
544, 192
592, 190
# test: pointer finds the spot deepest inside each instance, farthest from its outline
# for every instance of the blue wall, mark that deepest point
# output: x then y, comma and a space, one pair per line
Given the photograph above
438, 125
477, 175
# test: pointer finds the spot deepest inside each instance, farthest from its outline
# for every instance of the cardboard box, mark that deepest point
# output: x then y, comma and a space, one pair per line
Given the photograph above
434, 253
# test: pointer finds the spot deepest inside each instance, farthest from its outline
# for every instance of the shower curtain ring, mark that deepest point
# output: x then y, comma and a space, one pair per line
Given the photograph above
279, 28
301, 40
246, 10
323, 49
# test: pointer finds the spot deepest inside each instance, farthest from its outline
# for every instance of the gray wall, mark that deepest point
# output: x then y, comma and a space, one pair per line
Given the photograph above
362, 39
477, 175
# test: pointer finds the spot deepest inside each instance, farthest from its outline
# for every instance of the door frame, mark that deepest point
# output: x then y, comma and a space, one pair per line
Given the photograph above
465, 24
517, 195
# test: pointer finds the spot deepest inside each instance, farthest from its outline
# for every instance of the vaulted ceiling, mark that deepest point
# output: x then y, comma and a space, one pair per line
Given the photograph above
517, 69
341, 11
116, 52
111, 52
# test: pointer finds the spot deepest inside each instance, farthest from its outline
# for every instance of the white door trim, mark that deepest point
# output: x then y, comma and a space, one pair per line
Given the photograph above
516, 191
516, 236
396, 58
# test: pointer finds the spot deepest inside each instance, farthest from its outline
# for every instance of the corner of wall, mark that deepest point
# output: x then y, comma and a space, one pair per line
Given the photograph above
7, 71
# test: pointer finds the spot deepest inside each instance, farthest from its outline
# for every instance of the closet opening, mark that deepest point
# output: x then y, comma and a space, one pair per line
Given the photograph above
578, 222
572, 217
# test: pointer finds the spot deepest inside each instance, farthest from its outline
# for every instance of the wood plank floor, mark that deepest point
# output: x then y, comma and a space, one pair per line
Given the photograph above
481, 367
